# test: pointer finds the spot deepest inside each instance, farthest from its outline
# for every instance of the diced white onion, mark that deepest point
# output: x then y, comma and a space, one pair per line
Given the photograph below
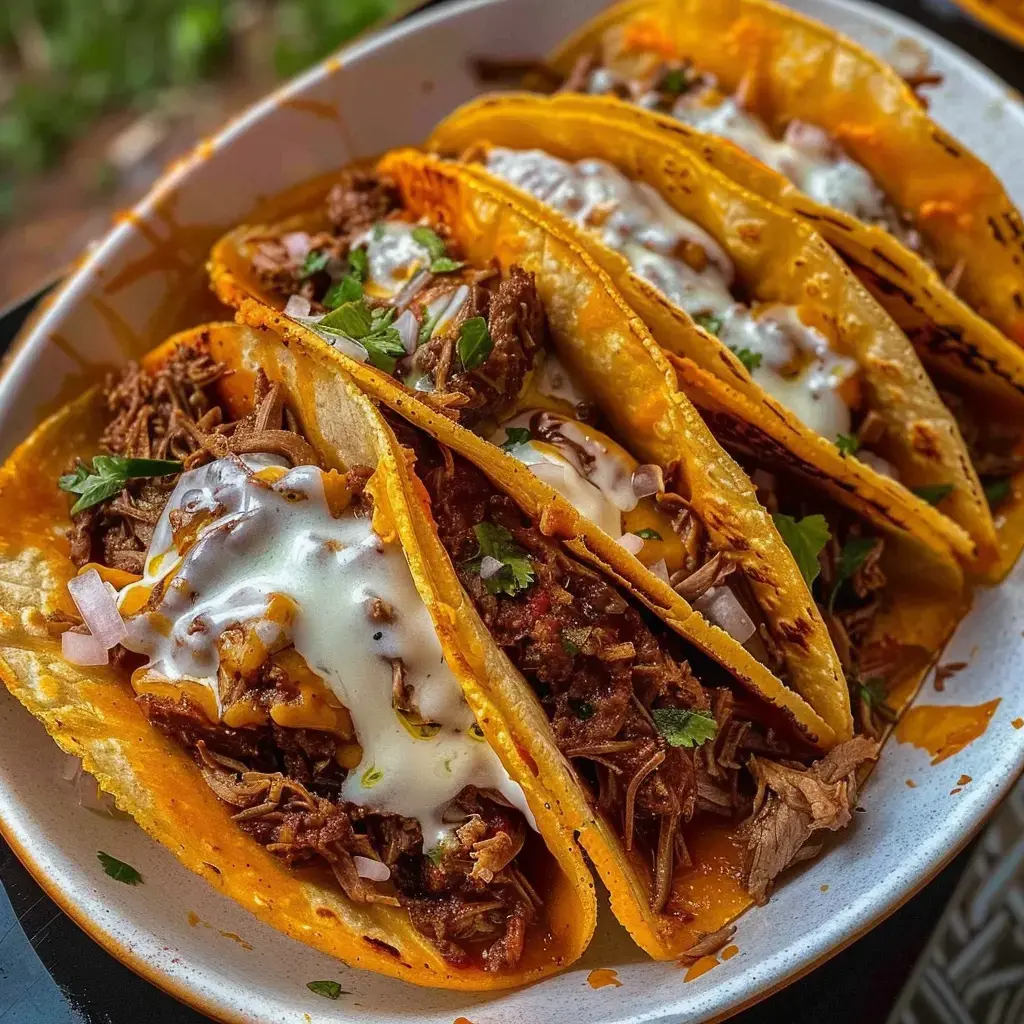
351, 348
83, 649
374, 870
297, 306
721, 606
647, 480
408, 328
97, 608
878, 464
489, 567
297, 245
90, 796
632, 543
660, 569
415, 285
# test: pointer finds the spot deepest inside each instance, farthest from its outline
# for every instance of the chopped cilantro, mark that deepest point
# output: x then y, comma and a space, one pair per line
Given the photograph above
348, 289
359, 264
997, 491
445, 265
378, 231
314, 262
327, 989
582, 709
711, 323
435, 853
648, 534
873, 692
515, 436
933, 493
751, 360
440, 261
118, 870
475, 343
805, 538
371, 777
683, 728
109, 475
371, 328
516, 572
675, 82
852, 557
847, 443
353, 319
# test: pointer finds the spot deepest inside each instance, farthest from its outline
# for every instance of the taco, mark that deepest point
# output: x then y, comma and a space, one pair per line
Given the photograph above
440, 296
253, 658
816, 124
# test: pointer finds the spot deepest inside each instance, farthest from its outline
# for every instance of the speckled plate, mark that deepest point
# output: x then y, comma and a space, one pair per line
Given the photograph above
146, 279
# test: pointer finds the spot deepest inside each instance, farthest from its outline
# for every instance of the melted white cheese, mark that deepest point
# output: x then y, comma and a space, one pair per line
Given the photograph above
282, 540
392, 256
797, 366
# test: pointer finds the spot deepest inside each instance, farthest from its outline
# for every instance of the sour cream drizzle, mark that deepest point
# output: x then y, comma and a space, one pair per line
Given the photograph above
797, 364
282, 540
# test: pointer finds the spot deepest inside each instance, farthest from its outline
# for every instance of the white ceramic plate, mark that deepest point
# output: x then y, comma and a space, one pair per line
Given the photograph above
145, 279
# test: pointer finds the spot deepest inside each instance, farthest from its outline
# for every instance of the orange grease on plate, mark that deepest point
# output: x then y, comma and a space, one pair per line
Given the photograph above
824, 888
963, 780
944, 730
317, 108
603, 977
911, 784
700, 968
236, 938
1018, 723
730, 951
193, 918
953, 792
463, 1020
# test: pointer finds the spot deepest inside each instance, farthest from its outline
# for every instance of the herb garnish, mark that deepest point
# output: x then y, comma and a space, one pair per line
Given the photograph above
371, 777
852, 557
314, 262
118, 870
109, 475
933, 493
751, 360
371, 328
847, 443
514, 437
327, 989
440, 261
582, 709
648, 534
674, 82
683, 728
711, 323
475, 342
348, 289
516, 573
997, 491
805, 538
428, 325
873, 693
359, 264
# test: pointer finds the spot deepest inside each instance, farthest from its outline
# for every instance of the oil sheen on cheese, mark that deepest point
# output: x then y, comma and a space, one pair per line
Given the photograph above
797, 364
265, 541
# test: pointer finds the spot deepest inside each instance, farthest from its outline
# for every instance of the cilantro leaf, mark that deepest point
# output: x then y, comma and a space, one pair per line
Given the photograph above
352, 319
873, 692
805, 538
314, 262
711, 323
582, 709
348, 289
428, 325
445, 265
683, 728
515, 436
751, 360
997, 491
327, 989
384, 347
475, 342
431, 241
371, 328
109, 475
675, 82
371, 777
359, 264
516, 572
933, 493
118, 870
852, 557
648, 534
847, 443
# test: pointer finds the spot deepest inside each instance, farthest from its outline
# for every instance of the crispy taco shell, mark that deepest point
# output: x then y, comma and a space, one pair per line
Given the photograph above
91, 712
607, 348
798, 68
779, 260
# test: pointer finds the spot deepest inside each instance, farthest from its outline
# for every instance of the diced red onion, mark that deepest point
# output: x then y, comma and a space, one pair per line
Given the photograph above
297, 245
97, 608
660, 569
374, 870
83, 649
647, 480
408, 328
632, 543
878, 464
489, 567
415, 285
297, 306
721, 606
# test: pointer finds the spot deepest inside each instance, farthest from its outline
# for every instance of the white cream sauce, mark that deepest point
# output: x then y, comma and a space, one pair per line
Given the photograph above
392, 256
282, 539
797, 365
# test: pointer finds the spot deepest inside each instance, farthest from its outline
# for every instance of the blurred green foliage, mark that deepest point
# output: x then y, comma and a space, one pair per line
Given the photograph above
93, 56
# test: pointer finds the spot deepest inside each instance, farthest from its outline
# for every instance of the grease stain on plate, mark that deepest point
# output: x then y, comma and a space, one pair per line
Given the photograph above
944, 730
700, 968
602, 977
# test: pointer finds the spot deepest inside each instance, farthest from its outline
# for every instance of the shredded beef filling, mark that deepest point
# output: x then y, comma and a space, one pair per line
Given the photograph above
603, 671
470, 896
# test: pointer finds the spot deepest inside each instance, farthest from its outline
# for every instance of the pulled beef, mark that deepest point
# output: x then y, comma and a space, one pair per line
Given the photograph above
358, 200
993, 442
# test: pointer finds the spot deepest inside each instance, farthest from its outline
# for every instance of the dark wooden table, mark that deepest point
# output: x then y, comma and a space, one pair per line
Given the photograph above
52, 973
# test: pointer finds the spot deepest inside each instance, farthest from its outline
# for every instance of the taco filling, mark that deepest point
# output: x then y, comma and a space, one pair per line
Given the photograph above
271, 626
655, 730
475, 343
807, 155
